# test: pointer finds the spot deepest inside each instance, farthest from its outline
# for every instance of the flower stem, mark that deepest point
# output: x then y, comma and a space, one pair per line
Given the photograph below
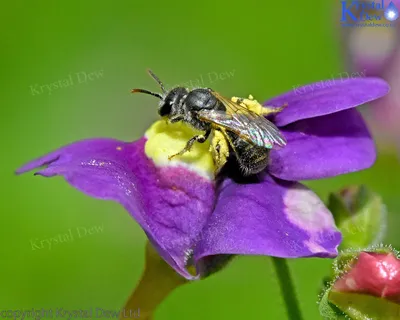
158, 280
287, 288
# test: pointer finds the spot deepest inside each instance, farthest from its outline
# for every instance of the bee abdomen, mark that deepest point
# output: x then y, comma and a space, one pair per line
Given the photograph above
254, 160
251, 158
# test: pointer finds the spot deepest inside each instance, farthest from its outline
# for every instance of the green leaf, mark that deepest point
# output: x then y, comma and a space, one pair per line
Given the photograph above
364, 307
328, 310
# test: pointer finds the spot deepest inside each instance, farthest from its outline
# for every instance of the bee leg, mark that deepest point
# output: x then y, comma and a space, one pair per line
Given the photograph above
267, 110
250, 100
220, 158
255, 106
220, 150
238, 100
176, 118
189, 144
250, 103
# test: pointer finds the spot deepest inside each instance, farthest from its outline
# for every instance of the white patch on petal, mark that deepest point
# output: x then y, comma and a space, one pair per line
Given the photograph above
314, 248
305, 210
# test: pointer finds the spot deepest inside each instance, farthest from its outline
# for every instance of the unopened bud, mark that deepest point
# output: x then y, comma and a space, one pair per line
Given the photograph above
360, 215
367, 286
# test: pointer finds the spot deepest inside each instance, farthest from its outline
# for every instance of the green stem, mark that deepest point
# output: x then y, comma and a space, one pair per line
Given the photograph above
287, 288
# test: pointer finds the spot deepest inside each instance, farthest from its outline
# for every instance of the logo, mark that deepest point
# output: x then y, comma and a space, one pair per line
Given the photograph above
359, 13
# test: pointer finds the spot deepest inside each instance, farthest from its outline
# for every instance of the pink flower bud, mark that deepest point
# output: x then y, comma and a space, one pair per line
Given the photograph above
373, 273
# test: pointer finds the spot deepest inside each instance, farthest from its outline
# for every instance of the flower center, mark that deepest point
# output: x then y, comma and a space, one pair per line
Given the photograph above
168, 139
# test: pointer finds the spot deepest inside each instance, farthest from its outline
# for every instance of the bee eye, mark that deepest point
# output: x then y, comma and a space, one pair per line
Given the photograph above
165, 108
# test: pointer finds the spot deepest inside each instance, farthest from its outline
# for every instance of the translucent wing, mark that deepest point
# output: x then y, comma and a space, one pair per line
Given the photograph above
245, 123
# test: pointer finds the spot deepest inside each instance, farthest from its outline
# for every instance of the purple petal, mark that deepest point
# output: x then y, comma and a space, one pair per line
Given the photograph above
324, 147
171, 204
276, 218
326, 97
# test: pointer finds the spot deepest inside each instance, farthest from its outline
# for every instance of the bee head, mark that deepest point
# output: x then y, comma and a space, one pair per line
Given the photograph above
171, 99
167, 98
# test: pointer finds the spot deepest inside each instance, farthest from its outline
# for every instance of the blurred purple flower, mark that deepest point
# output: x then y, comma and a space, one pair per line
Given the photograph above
190, 217
375, 51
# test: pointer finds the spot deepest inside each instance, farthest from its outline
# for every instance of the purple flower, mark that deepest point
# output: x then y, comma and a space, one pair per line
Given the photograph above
361, 56
191, 217
382, 59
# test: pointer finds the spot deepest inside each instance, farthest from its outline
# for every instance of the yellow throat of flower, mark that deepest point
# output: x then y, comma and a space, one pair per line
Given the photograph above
166, 139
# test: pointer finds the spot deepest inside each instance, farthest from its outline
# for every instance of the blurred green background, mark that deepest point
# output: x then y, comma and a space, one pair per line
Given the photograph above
237, 48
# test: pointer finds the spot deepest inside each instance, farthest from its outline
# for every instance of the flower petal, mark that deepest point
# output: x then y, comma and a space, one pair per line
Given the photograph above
270, 217
324, 147
325, 97
171, 204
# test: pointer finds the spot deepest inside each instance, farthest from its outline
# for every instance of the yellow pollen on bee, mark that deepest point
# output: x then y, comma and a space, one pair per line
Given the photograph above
218, 142
166, 139
250, 103
256, 107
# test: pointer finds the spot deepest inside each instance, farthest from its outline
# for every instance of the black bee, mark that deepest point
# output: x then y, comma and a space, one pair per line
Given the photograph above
236, 125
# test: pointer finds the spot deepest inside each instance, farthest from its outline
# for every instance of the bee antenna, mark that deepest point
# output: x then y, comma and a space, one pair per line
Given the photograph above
157, 79
147, 92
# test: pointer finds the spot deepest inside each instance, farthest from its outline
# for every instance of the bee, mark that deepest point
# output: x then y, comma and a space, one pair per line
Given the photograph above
235, 126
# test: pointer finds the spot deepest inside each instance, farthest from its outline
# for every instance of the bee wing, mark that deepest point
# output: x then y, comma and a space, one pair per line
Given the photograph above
245, 123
